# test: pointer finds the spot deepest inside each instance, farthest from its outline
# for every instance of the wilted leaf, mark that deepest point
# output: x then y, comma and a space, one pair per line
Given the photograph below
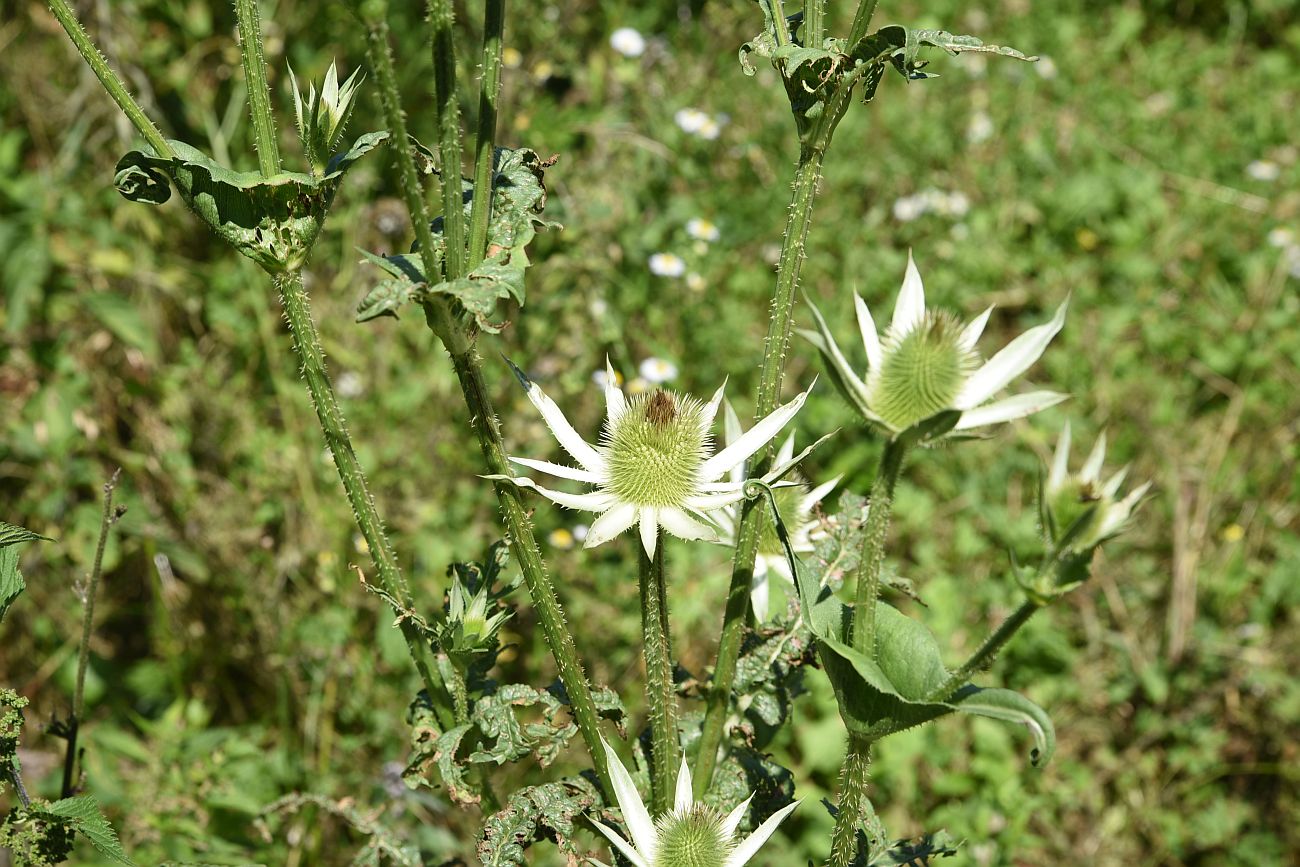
535, 813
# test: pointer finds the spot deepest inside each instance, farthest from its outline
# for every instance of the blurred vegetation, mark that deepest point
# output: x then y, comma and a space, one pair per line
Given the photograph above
1147, 165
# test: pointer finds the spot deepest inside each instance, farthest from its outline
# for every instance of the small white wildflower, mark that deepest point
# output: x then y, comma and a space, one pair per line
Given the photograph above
926, 363
1264, 170
710, 130
654, 466
695, 282
350, 385
1045, 67
599, 307
702, 230
627, 42
909, 208
1280, 237
980, 128
637, 386
1292, 257
580, 532
954, 204
693, 834
1068, 497
667, 265
691, 120
658, 371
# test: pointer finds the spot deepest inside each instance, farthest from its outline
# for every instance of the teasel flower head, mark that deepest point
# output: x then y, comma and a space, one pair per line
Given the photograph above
925, 367
1079, 510
322, 116
692, 834
654, 465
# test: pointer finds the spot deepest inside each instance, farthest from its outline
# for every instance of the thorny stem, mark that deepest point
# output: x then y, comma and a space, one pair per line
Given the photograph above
259, 92
447, 105
484, 145
306, 344
107, 77
855, 776
776, 346
984, 656
106, 523
880, 505
483, 417
862, 20
665, 754
814, 13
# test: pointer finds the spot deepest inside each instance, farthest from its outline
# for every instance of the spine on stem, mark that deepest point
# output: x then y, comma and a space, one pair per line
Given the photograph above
259, 92
665, 757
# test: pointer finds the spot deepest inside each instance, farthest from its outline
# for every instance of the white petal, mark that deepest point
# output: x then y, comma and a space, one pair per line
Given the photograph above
1014, 359
1122, 510
583, 452
747, 849
684, 798
971, 334
1091, 471
615, 402
734, 818
595, 501
635, 815
780, 565
711, 408
615, 521
870, 338
649, 529
622, 845
786, 452
713, 502
752, 440
558, 470
1060, 461
683, 526
1111, 488
825, 343
1010, 408
759, 595
909, 309
816, 495
731, 432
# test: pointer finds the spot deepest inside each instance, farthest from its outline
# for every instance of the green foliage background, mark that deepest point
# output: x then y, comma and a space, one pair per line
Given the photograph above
237, 660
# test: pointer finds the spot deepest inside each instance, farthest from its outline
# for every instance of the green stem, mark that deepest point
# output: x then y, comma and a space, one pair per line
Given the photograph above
447, 106
483, 419
485, 143
259, 92
814, 13
107, 520
862, 20
988, 651
665, 754
855, 776
776, 347
879, 507
109, 79
306, 345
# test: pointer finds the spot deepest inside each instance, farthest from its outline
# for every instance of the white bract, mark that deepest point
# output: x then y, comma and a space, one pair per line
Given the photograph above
654, 464
794, 503
692, 835
926, 363
1068, 498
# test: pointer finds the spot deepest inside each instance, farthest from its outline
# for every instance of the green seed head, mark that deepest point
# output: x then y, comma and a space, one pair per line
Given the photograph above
692, 839
655, 450
922, 372
788, 501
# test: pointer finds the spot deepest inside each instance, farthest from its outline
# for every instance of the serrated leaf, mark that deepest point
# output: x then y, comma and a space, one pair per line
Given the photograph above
11, 580
917, 852
272, 220
83, 815
12, 534
535, 813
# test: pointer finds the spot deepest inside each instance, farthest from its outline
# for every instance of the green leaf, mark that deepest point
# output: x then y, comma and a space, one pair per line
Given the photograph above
272, 220
893, 691
83, 815
12, 534
518, 199
533, 814
11, 580
917, 852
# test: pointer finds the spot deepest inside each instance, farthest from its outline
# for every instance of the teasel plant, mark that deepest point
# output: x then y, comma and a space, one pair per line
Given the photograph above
654, 468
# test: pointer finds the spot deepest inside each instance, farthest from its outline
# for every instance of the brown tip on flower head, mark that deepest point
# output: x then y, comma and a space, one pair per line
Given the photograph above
661, 409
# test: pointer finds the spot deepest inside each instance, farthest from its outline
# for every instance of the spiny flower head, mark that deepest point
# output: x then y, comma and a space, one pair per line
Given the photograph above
654, 465
322, 117
1070, 498
794, 501
690, 835
926, 364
